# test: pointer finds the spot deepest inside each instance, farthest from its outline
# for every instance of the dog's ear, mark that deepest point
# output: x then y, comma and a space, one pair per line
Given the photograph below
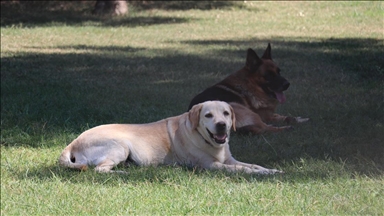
233, 118
194, 115
267, 53
253, 61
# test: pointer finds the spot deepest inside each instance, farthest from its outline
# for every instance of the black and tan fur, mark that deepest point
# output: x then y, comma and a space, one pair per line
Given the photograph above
254, 93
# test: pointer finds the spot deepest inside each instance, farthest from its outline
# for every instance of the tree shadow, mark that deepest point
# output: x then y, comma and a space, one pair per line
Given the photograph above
98, 49
363, 57
59, 88
187, 5
38, 14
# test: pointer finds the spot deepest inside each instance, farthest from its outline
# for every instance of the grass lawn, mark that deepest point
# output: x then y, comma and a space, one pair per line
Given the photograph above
64, 70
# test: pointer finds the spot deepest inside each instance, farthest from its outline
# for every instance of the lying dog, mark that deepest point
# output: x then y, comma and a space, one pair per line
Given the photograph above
254, 93
197, 138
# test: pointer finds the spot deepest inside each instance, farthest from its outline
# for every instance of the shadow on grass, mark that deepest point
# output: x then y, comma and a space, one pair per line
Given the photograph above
35, 14
301, 171
188, 5
95, 49
361, 57
29, 14
335, 82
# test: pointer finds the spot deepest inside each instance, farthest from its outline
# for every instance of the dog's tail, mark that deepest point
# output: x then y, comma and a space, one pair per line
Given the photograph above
67, 160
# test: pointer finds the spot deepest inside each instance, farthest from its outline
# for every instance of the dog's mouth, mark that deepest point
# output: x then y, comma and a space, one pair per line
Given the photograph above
280, 97
275, 89
219, 138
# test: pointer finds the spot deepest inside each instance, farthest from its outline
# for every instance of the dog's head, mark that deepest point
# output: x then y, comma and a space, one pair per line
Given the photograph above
266, 74
213, 121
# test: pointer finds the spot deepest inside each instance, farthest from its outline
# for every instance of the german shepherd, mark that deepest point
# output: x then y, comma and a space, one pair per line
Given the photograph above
254, 93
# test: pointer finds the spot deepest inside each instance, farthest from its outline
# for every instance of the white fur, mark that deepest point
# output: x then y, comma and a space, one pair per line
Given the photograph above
181, 139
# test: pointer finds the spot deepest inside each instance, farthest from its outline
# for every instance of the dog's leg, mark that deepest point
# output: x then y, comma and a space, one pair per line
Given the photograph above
231, 168
249, 121
258, 169
106, 166
262, 128
288, 119
255, 168
247, 168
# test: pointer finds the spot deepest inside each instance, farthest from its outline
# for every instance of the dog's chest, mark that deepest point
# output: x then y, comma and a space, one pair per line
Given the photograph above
220, 155
258, 101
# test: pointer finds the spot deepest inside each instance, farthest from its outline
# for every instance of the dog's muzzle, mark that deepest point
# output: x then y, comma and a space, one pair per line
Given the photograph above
278, 92
221, 133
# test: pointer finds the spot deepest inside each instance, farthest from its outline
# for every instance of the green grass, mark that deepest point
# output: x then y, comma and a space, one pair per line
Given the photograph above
64, 70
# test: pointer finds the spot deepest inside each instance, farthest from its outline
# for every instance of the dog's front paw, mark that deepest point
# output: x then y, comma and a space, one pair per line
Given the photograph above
269, 171
119, 172
274, 171
301, 120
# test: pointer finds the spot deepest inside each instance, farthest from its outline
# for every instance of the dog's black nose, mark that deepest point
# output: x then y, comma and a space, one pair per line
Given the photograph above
221, 126
285, 85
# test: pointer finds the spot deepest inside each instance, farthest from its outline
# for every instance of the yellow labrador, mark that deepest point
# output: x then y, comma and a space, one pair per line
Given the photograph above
197, 138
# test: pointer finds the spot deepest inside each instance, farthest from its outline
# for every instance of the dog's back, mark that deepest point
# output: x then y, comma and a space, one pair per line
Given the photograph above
216, 93
105, 146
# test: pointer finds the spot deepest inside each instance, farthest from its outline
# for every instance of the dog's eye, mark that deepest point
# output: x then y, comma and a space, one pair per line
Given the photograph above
226, 113
269, 76
208, 115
